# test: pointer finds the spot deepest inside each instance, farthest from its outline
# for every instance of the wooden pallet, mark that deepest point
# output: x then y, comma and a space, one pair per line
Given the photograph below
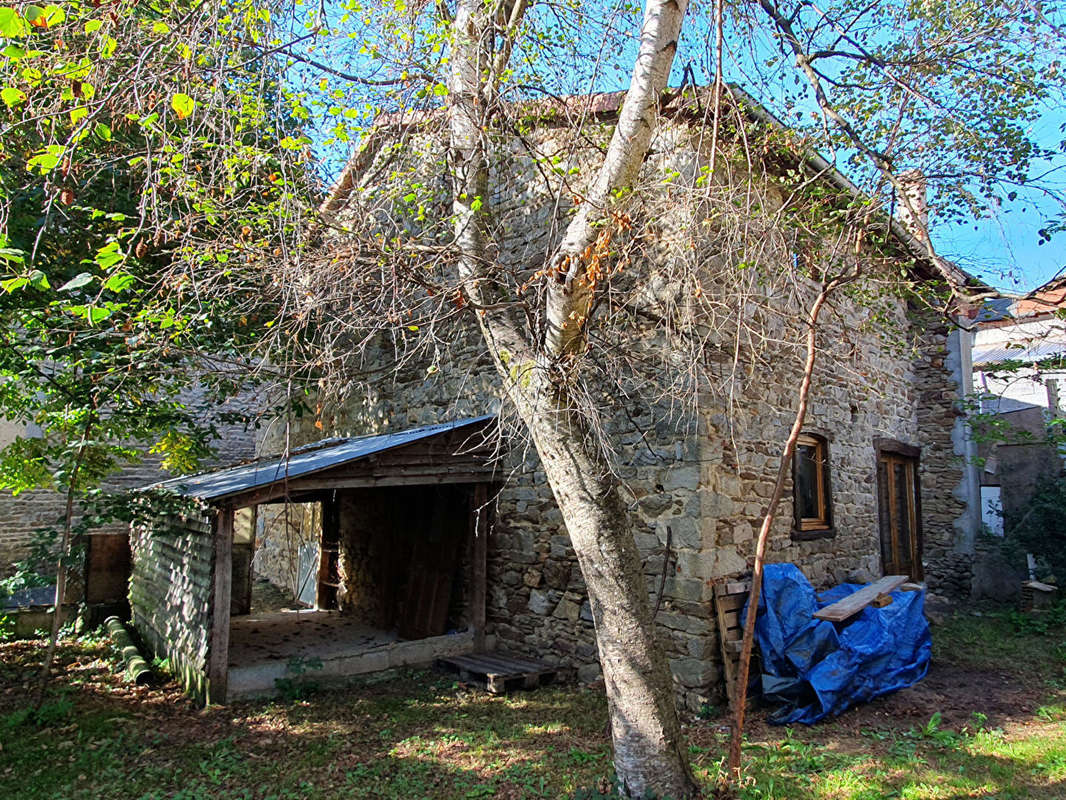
729, 600
500, 673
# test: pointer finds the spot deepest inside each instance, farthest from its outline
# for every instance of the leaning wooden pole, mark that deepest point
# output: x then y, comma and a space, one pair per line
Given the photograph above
740, 692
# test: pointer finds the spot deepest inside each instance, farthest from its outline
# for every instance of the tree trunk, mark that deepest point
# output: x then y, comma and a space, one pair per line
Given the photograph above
645, 731
646, 735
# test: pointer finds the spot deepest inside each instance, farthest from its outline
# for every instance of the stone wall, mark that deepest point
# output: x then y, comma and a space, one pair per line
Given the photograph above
172, 592
950, 513
22, 515
699, 484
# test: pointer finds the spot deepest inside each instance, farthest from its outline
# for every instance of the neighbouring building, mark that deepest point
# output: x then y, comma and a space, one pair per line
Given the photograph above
102, 582
1019, 363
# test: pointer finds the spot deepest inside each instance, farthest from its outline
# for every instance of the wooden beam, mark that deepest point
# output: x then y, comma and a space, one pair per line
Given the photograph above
296, 489
479, 501
218, 647
857, 601
426, 478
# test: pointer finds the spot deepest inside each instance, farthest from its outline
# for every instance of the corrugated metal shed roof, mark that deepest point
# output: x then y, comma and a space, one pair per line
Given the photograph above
301, 462
1026, 354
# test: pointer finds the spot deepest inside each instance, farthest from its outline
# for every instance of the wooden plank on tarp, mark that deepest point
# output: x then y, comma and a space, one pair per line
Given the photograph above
857, 601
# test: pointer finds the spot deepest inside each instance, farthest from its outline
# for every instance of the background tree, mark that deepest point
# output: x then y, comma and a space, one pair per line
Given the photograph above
100, 353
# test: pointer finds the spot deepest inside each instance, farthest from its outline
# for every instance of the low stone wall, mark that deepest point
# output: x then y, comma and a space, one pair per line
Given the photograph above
171, 595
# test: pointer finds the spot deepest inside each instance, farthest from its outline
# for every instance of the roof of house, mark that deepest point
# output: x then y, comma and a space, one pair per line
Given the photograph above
302, 461
607, 103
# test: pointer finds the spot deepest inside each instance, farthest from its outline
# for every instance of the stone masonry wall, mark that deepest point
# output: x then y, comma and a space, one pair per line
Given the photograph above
696, 481
948, 546
706, 482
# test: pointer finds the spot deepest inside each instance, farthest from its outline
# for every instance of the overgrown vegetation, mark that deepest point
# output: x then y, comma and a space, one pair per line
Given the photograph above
1041, 528
988, 722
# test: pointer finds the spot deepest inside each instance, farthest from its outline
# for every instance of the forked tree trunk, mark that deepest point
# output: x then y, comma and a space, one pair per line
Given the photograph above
645, 732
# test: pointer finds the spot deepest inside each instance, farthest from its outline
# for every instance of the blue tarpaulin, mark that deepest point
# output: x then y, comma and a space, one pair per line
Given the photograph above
813, 668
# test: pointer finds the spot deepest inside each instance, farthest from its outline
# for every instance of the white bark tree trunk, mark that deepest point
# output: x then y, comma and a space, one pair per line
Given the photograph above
646, 735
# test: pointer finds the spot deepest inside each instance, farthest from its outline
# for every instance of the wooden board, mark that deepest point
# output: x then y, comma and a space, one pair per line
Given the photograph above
500, 673
107, 568
857, 601
729, 600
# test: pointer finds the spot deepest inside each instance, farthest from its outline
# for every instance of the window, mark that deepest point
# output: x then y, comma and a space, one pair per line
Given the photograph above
810, 473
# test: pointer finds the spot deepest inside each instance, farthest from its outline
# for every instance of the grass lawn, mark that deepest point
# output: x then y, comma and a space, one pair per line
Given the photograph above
988, 722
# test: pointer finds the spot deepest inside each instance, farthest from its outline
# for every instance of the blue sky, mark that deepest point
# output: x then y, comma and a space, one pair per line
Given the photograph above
1002, 247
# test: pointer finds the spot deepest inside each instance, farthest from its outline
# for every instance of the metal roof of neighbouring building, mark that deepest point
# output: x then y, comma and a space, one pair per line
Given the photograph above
1028, 353
301, 461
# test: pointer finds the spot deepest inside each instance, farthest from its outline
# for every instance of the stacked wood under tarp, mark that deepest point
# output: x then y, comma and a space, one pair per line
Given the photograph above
730, 597
729, 600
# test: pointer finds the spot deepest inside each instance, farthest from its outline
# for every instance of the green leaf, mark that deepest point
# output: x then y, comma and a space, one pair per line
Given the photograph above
109, 255
103, 131
182, 105
47, 159
119, 282
54, 14
12, 255
13, 51
47, 17
11, 23
35, 15
93, 25
78, 281
12, 96
91, 314
39, 280
13, 284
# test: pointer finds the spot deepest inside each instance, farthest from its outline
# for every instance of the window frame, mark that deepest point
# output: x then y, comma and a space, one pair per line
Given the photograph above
820, 526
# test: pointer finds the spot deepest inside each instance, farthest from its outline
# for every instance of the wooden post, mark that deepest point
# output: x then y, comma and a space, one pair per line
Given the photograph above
218, 648
480, 564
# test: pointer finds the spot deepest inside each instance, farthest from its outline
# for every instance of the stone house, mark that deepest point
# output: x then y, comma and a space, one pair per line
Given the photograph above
102, 583
882, 481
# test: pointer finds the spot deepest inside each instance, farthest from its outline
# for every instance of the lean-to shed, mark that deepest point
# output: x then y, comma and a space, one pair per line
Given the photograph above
394, 576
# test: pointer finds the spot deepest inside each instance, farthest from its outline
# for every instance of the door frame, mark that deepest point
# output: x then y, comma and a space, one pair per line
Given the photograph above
893, 450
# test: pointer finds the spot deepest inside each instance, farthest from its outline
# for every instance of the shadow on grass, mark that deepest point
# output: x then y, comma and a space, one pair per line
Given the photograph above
422, 737
413, 737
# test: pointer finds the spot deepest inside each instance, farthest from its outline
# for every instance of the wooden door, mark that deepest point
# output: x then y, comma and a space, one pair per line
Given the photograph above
899, 513
441, 528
